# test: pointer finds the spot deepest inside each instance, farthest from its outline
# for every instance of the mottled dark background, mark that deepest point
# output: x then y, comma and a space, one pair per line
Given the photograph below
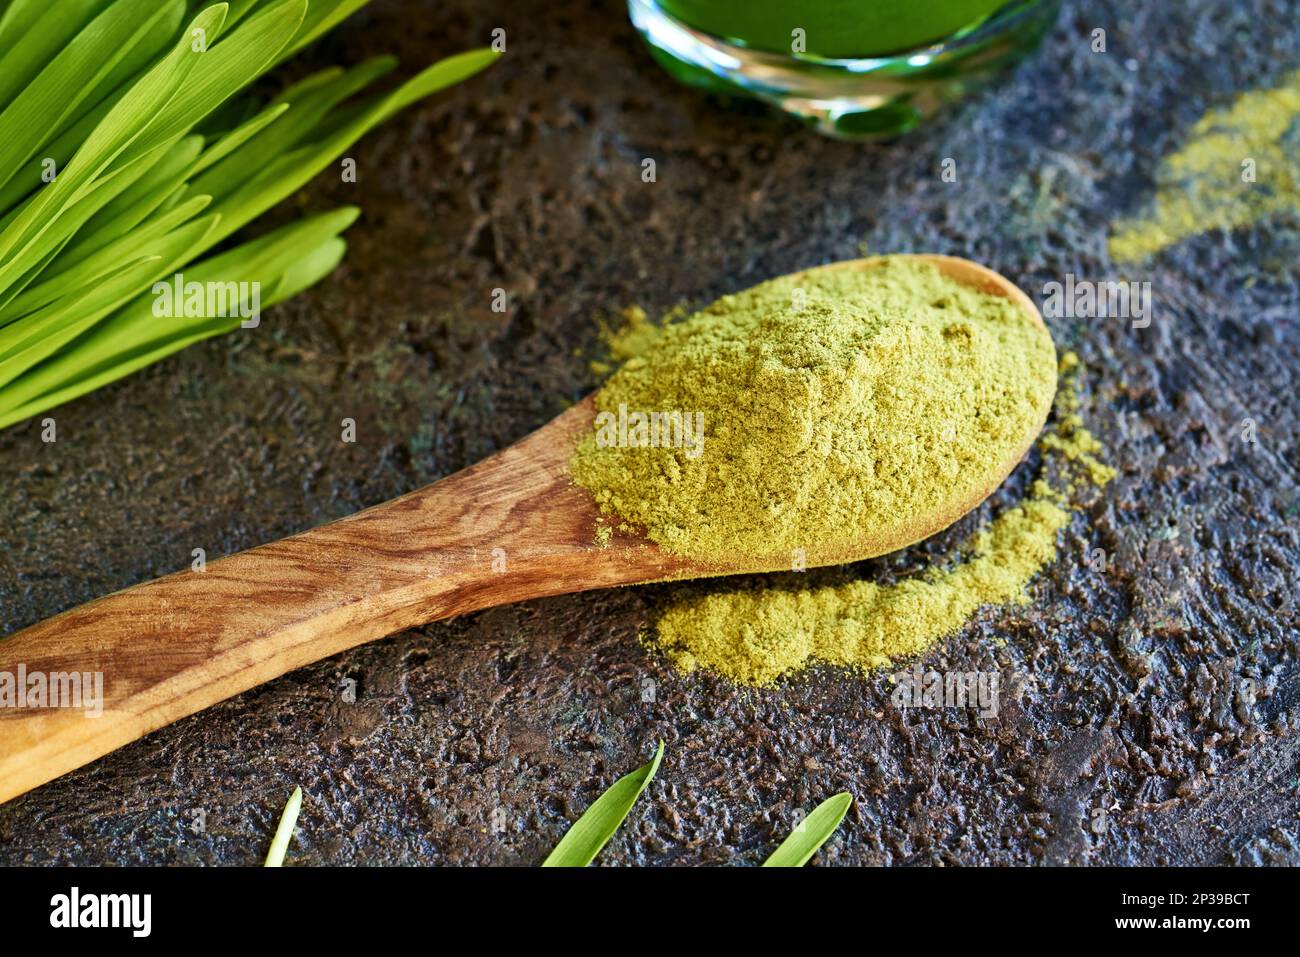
528, 178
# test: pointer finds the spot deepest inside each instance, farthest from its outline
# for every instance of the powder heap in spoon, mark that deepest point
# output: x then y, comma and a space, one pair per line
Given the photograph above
837, 405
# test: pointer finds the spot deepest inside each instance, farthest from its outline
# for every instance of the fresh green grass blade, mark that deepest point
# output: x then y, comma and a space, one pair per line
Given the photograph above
592, 831
49, 33
134, 338
136, 204
227, 66
42, 333
239, 9
277, 249
812, 832
307, 109
18, 19
283, 176
310, 106
72, 280
42, 107
309, 82
284, 833
308, 270
236, 138
442, 74
446, 72
124, 125
322, 16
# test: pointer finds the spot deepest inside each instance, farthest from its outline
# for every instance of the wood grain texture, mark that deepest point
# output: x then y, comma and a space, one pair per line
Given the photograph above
508, 529
176, 645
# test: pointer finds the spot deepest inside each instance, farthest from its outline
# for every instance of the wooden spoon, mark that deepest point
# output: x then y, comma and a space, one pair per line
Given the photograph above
511, 528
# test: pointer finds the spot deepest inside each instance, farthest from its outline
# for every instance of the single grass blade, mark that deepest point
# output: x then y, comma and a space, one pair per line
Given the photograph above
812, 832
589, 833
309, 270
321, 17
239, 8
284, 833
236, 138
17, 19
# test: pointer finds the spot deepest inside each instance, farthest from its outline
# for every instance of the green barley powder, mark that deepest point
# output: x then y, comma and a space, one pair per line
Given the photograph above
831, 402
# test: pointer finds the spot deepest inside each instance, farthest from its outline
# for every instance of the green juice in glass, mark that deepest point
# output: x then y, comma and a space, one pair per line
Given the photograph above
832, 28
853, 68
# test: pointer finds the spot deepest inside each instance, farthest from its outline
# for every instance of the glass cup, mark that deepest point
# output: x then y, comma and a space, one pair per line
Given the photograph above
855, 69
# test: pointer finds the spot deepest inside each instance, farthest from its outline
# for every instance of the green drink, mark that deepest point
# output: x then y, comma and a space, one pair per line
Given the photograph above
855, 68
834, 28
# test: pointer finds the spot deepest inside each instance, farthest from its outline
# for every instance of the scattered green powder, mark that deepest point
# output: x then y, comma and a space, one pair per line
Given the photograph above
1079, 445
756, 636
1069, 438
632, 337
1204, 185
832, 403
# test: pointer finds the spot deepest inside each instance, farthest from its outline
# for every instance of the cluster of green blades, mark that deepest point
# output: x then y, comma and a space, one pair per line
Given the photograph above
133, 106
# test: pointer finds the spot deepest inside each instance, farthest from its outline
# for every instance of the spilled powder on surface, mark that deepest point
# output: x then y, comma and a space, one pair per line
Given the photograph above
1069, 438
756, 636
632, 336
1201, 186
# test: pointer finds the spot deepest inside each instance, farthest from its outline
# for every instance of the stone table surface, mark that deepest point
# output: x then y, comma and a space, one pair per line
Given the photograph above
476, 741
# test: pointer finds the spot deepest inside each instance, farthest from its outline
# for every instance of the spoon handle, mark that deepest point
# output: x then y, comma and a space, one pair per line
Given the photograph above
510, 528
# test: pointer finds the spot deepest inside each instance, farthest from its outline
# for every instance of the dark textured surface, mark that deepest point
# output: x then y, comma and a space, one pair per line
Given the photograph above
528, 178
